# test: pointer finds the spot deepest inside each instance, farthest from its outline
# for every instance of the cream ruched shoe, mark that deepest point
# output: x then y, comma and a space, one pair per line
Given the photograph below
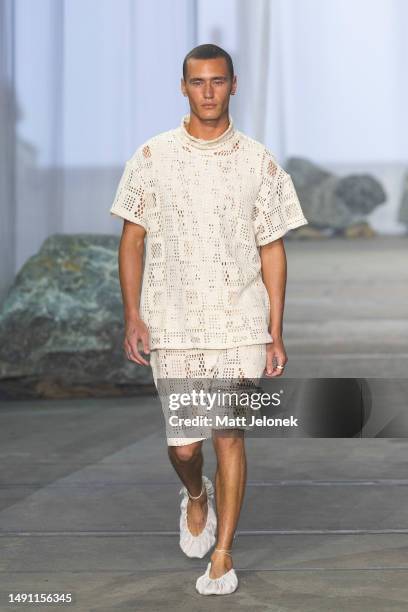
224, 585
198, 545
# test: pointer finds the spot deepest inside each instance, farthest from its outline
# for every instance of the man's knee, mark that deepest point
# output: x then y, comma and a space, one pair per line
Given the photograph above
224, 440
185, 453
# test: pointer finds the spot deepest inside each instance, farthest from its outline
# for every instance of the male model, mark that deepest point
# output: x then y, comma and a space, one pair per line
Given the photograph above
214, 205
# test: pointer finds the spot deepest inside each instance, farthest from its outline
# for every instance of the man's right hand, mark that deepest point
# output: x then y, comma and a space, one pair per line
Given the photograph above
136, 330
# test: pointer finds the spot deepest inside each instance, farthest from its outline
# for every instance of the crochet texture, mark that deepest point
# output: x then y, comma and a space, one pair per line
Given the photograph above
207, 206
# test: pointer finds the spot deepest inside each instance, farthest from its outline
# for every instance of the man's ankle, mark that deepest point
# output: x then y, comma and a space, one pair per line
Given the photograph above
221, 558
200, 501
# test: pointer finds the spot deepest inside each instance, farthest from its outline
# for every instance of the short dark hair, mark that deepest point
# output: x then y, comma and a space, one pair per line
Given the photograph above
208, 51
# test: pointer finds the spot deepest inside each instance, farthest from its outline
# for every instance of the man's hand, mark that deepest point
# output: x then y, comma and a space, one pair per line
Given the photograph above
136, 330
275, 351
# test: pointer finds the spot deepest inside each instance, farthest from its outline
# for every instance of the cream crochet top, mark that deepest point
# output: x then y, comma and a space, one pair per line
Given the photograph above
207, 206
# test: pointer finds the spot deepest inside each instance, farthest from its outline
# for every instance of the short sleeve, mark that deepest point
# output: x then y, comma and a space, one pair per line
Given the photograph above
132, 196
277, 208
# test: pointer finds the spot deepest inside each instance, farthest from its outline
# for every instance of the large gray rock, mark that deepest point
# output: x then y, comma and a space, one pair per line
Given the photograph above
330, 201
403, 210
61, 323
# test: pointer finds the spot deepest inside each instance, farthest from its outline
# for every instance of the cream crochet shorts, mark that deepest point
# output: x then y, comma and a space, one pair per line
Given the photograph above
228, 363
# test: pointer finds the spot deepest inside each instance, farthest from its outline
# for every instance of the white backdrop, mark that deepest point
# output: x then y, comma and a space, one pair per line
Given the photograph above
93, 79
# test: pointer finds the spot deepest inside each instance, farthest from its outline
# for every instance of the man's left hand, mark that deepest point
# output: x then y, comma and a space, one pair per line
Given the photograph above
276, 358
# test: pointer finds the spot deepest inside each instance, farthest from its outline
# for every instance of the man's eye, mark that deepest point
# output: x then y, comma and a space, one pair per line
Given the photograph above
219, 82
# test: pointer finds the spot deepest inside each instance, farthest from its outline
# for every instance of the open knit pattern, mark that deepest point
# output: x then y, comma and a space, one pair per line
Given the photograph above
198, 545
207, 206
186, 370
224, 585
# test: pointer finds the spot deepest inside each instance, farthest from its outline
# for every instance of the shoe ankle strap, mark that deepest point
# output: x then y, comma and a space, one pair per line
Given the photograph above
227, 552
198, 496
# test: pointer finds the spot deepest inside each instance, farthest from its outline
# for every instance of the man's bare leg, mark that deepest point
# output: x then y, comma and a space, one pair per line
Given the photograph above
230, 481
188, 462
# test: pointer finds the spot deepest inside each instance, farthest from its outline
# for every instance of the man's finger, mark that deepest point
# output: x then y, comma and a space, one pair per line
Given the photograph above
129, 352
146, 344
277, 372
133, 353
269, 363
279, 366
138, 356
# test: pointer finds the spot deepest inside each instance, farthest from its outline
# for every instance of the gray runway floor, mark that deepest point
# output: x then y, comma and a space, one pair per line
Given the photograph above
89, 502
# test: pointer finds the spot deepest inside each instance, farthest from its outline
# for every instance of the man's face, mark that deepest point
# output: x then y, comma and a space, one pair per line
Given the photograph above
208, 86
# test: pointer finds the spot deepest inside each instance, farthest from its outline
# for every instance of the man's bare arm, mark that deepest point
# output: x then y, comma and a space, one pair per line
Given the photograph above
274, 276
130, 260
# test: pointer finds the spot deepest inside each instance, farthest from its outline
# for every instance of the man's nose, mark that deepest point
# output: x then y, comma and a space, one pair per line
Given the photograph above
208, 91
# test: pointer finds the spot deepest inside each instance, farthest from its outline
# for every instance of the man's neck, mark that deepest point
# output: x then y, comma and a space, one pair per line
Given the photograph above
207, 129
